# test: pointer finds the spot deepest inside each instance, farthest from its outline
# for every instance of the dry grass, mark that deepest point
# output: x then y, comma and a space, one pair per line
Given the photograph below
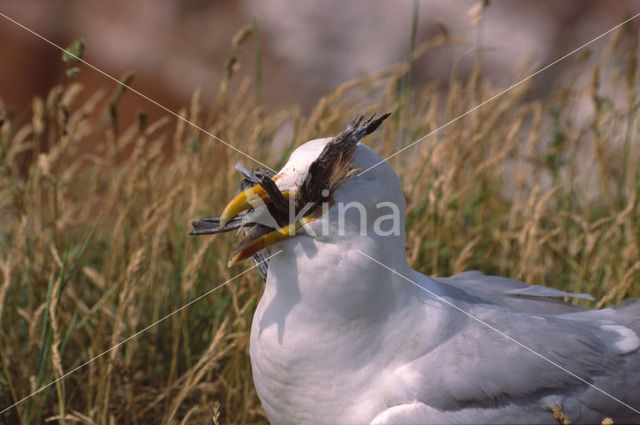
94, 245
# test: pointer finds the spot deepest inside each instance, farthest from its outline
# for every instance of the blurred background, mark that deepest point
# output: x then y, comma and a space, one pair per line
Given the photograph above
97, 189
307, 48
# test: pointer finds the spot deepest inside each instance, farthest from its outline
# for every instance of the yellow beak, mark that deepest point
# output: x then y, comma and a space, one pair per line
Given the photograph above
250, 246
251, 198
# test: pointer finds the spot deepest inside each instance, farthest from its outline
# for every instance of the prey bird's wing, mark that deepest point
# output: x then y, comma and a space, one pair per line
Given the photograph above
211, 225
253, 177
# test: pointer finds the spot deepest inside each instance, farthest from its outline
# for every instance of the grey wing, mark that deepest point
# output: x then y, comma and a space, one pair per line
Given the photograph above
533, 363
514, 294
629, 310
523, 353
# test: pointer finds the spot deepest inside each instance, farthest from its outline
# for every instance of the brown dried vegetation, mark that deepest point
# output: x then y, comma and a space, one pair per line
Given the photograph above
94, 245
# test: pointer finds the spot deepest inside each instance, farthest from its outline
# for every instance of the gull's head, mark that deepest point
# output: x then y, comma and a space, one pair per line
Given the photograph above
328, 189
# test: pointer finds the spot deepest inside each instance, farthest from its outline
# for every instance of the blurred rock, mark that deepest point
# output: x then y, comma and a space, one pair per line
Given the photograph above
308, 48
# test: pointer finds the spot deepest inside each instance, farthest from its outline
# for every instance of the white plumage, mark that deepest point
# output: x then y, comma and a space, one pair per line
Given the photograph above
340, 339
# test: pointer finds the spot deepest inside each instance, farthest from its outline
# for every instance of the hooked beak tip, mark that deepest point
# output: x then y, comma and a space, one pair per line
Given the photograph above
224, 220
233, 260
238, 204
245, 200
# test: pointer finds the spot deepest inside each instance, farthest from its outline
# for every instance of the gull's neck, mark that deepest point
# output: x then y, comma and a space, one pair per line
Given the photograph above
334, 284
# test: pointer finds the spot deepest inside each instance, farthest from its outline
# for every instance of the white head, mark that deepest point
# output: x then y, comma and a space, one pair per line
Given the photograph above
329, 198
370, 203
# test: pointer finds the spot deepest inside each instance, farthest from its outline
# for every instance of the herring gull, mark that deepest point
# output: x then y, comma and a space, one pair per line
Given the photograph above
347, 333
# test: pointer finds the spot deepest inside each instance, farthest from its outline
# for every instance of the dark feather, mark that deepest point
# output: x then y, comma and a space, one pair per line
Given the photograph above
253, 177
211, 225
279, 205
333, 164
